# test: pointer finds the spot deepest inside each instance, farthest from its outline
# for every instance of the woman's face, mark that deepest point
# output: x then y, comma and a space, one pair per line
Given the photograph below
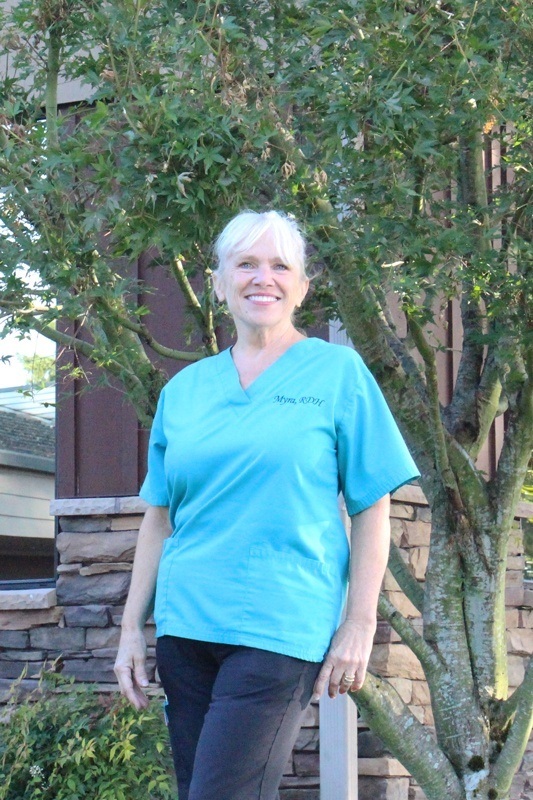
260, 290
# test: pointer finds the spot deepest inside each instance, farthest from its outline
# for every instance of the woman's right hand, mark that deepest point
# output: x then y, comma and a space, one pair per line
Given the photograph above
130, 668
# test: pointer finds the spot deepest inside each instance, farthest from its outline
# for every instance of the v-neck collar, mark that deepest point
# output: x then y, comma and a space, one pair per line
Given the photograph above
230, 377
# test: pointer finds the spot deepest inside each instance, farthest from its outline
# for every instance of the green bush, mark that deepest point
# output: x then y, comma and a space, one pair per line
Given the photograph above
66, 742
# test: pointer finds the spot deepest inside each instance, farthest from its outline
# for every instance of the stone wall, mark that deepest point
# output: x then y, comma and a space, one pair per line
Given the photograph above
79, 620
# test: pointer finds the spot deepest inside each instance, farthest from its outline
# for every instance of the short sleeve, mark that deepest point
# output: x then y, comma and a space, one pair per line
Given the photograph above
373, 458
154, 489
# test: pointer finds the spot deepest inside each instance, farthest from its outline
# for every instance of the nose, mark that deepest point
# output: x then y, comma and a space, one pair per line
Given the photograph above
263, 274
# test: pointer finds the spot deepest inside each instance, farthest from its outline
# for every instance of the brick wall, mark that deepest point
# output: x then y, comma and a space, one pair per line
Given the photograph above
80, 620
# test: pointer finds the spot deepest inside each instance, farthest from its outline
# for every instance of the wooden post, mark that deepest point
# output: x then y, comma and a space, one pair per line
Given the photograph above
338, 748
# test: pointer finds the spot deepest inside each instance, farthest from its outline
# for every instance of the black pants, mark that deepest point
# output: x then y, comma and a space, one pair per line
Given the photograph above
234, 713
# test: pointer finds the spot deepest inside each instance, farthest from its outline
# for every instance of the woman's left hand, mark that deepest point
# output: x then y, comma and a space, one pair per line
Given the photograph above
347, 656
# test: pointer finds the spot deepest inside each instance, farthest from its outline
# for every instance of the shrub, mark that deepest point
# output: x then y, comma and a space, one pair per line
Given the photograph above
66, 742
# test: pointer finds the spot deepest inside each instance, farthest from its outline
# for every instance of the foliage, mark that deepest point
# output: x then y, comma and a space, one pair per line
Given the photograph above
65, 742
41, 370
368, 111
376, 125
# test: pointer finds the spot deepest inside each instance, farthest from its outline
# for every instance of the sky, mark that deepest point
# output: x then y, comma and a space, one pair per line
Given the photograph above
13, 374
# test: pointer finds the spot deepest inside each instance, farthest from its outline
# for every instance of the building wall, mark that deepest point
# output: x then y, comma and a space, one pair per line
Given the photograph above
25, 497
27, 529
80, 620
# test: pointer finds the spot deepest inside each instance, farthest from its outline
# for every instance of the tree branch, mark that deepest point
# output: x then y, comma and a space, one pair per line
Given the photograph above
507, 708
488, 401
473, 488
52, 74
461, 416
407, 739
405, 579
468, 496
417, 206
10, 307
398, 346
471, 181
64, 339
437, 428
143, 333
194, 305
507, 484
190, 295
513, 750
209, 306
429, 659
520, 213
139, 394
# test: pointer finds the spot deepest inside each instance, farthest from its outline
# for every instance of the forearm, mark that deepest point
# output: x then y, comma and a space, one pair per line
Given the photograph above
351, 645
370, 541
155, 528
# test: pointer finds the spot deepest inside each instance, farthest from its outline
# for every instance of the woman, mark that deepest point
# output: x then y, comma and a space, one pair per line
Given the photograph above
248, 452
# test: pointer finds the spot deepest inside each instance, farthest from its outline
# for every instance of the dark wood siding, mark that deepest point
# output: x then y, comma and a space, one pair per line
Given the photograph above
101, 448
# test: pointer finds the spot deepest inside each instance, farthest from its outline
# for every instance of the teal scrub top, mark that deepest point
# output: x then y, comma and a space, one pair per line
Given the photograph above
259, 555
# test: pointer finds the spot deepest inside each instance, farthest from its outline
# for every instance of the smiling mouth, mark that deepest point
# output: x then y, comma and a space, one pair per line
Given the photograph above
265, 299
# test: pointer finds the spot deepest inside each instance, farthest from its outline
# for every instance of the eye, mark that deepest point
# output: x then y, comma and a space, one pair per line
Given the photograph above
281, 267
246, 265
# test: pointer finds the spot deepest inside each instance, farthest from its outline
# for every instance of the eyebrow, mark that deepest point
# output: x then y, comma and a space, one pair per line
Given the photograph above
277, 260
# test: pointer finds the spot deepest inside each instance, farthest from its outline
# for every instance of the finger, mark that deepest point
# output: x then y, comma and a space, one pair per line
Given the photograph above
359, 680
141, 700
124, 677
128, 687
139, 671
321, 681
335, 682
136, 697
347, 678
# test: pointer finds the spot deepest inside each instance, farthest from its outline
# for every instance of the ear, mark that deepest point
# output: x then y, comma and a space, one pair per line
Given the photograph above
304, 288
218, 285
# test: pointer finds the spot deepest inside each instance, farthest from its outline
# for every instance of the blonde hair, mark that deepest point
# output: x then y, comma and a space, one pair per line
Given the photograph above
248, 226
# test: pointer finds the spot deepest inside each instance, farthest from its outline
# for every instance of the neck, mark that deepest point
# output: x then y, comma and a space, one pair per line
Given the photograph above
253, 354
259, 342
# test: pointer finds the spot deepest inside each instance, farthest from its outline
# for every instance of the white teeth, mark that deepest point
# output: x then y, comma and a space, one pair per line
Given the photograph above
262, 298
